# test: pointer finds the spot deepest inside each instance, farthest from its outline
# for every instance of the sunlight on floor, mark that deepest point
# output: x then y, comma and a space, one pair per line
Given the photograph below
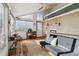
50, 53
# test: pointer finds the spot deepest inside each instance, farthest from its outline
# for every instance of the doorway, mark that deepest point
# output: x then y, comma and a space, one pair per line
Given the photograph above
39, 29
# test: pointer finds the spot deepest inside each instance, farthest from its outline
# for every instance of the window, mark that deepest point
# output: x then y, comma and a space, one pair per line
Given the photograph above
2, 34
39, 17
23, 25
39, 29
1, 17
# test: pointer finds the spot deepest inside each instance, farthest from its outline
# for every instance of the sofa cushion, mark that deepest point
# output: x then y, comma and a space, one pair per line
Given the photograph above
75, 52
53, 42
65, 42
70, 54
55, 50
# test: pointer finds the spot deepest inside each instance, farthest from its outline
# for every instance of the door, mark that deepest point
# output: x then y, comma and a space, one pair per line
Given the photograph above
39, 29
3, 30
2, 35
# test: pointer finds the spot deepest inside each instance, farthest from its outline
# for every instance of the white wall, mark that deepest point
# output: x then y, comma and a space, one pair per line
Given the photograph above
69, 24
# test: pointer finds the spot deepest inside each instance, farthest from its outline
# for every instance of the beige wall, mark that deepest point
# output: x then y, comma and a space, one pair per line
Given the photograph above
69, 24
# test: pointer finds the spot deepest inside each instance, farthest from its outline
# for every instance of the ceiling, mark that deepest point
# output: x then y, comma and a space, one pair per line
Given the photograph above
27, 10
20, 9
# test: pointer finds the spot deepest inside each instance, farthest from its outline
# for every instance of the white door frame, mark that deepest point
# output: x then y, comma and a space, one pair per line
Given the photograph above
4, 50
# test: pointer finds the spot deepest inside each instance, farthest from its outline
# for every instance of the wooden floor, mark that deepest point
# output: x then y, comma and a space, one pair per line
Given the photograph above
30, 48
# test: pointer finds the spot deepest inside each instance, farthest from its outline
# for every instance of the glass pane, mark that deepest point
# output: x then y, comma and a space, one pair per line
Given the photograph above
39, 17
1, 17
2, 36
23, 25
